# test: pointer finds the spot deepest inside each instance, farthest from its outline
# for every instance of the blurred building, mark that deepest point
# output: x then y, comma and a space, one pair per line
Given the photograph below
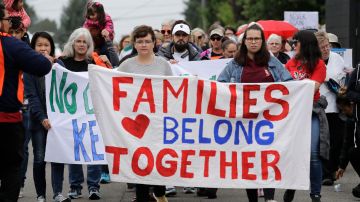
343, 19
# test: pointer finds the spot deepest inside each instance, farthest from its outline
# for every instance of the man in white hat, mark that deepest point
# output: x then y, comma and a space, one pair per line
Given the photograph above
180, 49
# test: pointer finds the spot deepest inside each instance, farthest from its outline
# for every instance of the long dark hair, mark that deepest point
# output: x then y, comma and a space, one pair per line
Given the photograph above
261, 58
309, 51
44, 35
96, 7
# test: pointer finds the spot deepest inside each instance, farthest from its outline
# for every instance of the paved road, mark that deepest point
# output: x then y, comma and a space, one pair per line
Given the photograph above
115, 192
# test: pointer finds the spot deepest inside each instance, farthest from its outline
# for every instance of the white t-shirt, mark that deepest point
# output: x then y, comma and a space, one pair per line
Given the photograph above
334, 70
177, 56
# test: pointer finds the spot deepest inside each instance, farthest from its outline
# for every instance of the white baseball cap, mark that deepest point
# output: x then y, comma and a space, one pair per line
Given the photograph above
181, 27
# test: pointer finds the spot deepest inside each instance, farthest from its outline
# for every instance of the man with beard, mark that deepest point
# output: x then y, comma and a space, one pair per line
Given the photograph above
180, 49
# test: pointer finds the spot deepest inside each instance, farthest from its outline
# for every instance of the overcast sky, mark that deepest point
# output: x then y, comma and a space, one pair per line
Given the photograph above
126, 14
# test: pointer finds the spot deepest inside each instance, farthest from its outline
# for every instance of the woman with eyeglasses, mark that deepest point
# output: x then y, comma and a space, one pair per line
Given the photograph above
274, 44
307, 64
254, 64
146, 62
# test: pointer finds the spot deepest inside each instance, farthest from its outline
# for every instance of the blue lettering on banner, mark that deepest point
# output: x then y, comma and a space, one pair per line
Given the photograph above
78, 138
170, 130
225, 139
223, 131
187, 130
94, 138
269, 136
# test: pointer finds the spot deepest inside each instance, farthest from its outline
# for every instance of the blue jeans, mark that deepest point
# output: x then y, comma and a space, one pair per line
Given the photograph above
57, 177
315, 161
39, 143
76, 176
27, 136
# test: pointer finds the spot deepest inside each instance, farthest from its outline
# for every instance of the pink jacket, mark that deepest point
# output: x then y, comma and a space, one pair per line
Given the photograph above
25, 19
95, 24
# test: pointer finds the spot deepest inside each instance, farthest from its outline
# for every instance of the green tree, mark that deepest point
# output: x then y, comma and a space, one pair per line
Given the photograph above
71, 19
44, 25
202, 13
31, 12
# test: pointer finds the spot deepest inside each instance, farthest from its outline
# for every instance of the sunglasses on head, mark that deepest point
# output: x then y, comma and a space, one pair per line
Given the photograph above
165, 31
217, 38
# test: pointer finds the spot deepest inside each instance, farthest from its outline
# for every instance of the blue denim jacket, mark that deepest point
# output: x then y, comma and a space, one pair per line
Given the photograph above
232, 72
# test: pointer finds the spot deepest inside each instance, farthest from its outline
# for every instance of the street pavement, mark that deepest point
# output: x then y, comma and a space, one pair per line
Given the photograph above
115, 192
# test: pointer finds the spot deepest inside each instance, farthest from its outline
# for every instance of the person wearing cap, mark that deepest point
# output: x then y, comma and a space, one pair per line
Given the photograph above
333, 40
215, 51
335, 70
180, 48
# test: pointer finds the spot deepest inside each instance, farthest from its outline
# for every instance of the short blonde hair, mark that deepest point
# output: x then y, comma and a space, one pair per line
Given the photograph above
321, 36
274, 37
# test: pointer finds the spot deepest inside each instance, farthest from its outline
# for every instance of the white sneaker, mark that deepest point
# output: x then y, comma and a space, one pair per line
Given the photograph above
189, 190
61, 198
21, 193
270, 201
170, 191
40, 199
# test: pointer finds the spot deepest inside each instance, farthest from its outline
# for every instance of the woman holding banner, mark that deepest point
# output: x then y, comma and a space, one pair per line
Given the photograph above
254, 64
307, 64
43, 43
146, 62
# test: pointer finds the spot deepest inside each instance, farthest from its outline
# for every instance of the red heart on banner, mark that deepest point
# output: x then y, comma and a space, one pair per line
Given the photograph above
136, 127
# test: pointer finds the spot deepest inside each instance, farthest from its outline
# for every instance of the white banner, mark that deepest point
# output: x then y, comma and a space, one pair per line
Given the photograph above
302, 20
200, 133
205, 69
74, 137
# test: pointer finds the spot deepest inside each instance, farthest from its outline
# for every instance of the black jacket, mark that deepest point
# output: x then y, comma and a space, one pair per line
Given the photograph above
167, 52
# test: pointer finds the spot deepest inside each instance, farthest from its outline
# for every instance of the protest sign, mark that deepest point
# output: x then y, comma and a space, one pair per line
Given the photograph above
205, 69
74, 137
187, 131
302, 20
346, 54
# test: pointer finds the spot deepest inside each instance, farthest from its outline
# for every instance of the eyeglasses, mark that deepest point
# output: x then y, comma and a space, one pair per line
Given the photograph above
274, 44
253, 39
165, 31
325, 47
144, 42
293, 42
7, 19
217, 38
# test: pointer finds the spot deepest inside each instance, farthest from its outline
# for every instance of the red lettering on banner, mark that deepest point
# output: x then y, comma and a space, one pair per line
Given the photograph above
212, 102
233, 97
166, 171
265, 164
146, 88
184, 87
117, 94
207, 154
233, 163
117, 151
184, 163
135, 161
247, 101
283, 103
246, 165
199, 96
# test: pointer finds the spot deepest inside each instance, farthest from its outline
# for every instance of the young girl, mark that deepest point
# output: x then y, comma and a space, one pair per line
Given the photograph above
43, 43
16, 8
98, 19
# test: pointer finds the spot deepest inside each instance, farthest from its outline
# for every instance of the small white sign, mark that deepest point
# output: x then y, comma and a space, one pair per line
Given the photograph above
302, 20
